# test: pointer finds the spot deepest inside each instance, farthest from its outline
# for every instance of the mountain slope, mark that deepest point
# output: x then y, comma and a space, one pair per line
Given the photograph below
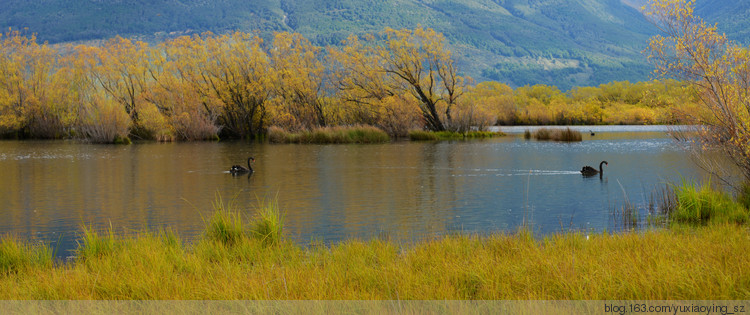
732, 17
557, 42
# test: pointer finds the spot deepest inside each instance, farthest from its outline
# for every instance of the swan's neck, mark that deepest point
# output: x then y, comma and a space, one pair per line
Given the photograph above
601, 170
249, 167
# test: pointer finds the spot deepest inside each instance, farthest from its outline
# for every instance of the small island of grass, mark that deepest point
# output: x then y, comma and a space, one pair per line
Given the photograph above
553, 134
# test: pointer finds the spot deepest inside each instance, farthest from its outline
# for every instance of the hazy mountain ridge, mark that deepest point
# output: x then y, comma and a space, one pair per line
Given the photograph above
558, 42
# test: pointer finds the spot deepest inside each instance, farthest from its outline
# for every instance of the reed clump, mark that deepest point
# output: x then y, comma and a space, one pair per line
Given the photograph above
548, 134
268, 224
16, 256
92, 245
325, 135
227, 226
424, 135
704, 205
687, 203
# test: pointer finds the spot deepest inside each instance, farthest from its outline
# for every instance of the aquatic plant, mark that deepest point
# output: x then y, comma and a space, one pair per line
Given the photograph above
16, 255
324, 135
92, 245
268, 224
424, 135
567, 134
225, 225
704, 205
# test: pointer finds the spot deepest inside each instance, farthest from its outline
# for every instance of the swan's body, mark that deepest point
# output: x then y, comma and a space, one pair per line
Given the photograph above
239, 169
590, 171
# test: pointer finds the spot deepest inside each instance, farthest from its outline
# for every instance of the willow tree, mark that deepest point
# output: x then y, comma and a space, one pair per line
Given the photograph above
228, 76
300, 78
369, 94
420, 59
121, 70
27, 88
415, 62
718, 69
99, 117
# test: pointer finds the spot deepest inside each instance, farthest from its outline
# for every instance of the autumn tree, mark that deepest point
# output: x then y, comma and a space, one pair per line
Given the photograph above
368, 94
121, 70
718, 69
215, 81
300, 78
28, 90
404, 62
420, 59
496, 98
98, 117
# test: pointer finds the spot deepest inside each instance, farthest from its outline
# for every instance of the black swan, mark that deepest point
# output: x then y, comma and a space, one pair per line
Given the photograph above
590, 171
239, 169
592, 132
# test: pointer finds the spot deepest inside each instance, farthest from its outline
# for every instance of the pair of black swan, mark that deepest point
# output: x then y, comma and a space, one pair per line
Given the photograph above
590, 171
239, 169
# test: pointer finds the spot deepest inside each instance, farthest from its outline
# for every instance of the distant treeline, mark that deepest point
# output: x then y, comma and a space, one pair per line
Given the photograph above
236, 86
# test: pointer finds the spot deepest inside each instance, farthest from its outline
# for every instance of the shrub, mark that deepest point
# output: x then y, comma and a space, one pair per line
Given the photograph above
102, 120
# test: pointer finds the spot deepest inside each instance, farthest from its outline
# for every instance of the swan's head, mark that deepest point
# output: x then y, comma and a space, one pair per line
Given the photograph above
252, 159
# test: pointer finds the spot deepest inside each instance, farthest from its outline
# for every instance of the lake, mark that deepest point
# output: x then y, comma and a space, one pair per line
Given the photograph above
404, 190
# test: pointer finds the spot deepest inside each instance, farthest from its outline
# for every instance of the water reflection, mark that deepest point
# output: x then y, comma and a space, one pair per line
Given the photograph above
405, 190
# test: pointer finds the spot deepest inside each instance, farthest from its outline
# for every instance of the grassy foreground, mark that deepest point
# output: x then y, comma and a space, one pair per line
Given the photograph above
241, 259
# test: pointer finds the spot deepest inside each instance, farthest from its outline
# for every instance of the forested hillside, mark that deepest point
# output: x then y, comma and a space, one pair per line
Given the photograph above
562, 43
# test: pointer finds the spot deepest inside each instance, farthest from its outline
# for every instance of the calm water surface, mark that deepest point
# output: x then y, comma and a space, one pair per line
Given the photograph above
403, 190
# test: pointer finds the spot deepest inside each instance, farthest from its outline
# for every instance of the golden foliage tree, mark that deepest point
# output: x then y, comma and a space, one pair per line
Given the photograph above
28, 87
718, 69
215, 80
121, 70
299, 79
420, 59
415, 62
98, 116
368, 94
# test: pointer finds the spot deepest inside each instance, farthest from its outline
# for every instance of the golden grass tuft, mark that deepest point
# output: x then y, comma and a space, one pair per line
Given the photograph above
16, 256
